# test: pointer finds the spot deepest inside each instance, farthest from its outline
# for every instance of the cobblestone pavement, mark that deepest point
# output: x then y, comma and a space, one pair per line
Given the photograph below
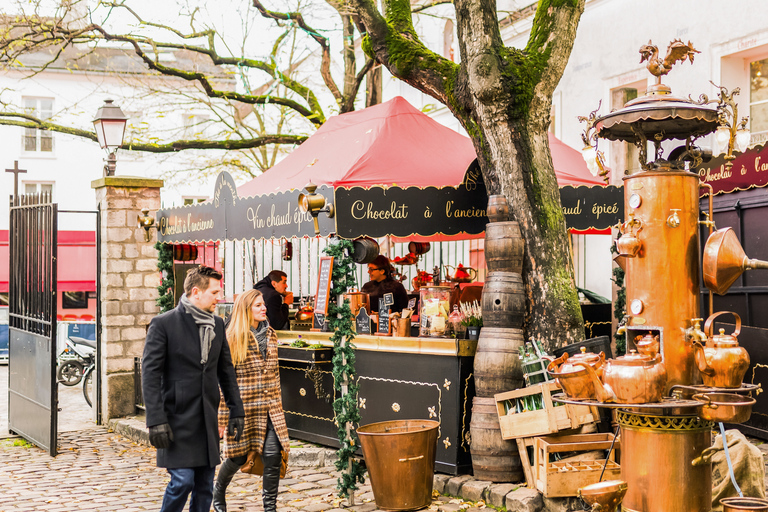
99, 470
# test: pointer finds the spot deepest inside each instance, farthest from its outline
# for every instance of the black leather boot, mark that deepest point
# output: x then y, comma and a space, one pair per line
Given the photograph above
272, 458
227, 471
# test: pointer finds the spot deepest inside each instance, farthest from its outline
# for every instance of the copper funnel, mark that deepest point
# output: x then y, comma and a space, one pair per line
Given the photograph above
603, 496
725, 261
621, 261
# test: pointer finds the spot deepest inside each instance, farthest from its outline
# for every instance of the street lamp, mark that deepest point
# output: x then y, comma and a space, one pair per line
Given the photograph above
110, 128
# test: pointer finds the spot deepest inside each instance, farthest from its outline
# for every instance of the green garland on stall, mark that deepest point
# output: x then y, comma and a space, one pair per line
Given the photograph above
346, 407
165, 266
620, 305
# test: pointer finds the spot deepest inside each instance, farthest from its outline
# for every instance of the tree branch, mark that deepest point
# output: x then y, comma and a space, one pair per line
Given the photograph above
178, 145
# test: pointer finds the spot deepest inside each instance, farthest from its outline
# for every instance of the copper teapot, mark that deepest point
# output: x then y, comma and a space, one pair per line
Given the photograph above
647, 345
631, 379
570, 372
629, 244
722, 362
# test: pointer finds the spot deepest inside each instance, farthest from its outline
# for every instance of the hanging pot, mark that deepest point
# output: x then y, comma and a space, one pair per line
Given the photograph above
722, 363
629, 244
725, 407
418, 247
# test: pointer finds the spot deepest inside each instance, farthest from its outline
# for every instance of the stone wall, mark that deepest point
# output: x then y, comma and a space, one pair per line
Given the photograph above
128, 285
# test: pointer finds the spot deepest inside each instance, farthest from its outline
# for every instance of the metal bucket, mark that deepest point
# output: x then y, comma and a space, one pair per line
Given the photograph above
400, 456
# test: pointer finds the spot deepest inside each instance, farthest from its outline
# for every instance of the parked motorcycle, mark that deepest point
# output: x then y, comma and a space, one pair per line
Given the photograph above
78, 355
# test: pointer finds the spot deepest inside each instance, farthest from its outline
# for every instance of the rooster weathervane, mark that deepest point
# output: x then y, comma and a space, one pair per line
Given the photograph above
677, 51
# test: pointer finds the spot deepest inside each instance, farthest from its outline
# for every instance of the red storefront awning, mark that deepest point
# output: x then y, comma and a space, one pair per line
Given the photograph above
76, 267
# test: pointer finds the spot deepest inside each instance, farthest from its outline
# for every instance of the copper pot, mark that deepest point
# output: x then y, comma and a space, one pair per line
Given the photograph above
631, 379
571, 374
736, 504
629, 244
304, 314
603, 496
725, 407
358, 300
722, 362
647, 345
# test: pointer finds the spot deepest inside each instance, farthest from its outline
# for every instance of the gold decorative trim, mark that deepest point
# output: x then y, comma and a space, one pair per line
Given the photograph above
432, 413
428, 346
362, 403
447, 442
464, 434
447, 385
667, 423
302, 392
396, 407
332, 420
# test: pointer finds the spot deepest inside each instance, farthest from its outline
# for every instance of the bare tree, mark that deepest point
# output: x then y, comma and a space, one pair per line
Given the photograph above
503, 98
251, 122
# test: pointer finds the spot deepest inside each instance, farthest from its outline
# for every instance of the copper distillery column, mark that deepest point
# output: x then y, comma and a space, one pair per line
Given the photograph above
656, 457
663, 276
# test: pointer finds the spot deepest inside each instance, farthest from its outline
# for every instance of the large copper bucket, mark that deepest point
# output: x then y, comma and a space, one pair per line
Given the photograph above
725, 261
400, 456
740, 504
358, 300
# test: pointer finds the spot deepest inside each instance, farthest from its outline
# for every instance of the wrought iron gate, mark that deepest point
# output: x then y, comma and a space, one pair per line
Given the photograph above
32, 388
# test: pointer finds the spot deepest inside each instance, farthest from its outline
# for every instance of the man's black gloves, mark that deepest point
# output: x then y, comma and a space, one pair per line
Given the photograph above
236, 427
160, 436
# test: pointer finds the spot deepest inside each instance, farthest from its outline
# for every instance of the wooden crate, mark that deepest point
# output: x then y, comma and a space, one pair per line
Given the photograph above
548, 420
524, 443
564, 478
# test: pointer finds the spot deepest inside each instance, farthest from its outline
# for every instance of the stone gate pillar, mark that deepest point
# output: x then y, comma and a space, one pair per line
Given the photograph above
128, 282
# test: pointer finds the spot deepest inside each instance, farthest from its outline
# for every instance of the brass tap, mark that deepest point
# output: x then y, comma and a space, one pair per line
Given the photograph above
695, 333
707, 221
673, 220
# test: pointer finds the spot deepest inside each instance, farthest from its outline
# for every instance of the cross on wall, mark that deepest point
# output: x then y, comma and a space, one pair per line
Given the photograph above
16, 171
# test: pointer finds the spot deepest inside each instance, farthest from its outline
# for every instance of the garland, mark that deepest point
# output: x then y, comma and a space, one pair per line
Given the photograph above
165, 266
620, 305
344, 378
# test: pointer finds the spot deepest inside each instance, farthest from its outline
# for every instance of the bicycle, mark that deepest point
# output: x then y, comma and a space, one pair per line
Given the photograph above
88, 384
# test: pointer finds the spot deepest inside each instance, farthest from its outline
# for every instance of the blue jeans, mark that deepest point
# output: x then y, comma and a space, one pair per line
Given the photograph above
198, 481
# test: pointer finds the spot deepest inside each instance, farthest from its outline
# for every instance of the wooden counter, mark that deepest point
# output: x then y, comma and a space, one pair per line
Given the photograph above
399, 378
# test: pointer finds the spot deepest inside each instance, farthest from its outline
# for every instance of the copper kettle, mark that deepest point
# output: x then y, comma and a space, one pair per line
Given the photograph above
631, 379
722, 362
629, 244
570, 372
647, 345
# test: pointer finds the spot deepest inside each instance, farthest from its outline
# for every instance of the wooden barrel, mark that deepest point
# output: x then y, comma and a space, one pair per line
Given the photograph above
184, 252
493, 459
418, 247
503, 300
497, 366
504, 247
498, 209
364, 250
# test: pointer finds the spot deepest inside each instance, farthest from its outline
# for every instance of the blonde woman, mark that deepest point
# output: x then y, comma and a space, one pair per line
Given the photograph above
253, 345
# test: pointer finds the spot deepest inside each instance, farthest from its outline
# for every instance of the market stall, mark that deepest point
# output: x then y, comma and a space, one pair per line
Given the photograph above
433, 191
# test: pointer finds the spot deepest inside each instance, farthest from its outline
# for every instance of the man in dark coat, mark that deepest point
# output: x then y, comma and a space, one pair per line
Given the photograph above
274, 288
186, 359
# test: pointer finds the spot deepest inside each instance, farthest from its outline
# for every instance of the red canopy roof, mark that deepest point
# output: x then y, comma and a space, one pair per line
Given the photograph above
392, 143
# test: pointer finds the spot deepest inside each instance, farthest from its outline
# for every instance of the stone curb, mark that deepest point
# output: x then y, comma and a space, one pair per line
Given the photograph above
134, 428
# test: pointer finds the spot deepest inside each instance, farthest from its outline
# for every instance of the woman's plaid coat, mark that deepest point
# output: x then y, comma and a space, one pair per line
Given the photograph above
259, 383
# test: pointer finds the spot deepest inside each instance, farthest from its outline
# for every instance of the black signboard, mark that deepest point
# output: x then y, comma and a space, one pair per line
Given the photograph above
230, 217
592, 207
412, 304
389, 299
318, 322
381, 211
384, 326
363, 322
323, 284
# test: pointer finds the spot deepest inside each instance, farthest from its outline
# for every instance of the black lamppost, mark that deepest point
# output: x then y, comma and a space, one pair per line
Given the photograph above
110, 128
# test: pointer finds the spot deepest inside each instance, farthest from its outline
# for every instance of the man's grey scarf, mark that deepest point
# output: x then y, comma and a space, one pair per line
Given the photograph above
205, 324
260, 333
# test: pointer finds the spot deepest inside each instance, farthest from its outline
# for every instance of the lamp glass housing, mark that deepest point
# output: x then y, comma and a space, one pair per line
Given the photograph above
110, 126
722, 137
590, 157
742, 139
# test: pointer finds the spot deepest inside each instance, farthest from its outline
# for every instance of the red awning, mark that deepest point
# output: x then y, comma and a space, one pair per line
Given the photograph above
76, 267
392, 143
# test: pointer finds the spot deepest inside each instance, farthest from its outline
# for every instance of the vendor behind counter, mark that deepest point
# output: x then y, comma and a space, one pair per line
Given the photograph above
380, 272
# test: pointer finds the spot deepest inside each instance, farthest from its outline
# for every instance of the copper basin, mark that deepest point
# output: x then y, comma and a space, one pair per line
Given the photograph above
725, 407
604, 496
724, 260
736, 504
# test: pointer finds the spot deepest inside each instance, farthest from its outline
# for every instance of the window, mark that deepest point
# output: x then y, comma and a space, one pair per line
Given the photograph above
448, 40
33, 139
37, 188
74, 300
193, 200
758, 100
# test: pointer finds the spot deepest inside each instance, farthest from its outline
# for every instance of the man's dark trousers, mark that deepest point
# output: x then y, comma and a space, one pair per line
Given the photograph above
198, 481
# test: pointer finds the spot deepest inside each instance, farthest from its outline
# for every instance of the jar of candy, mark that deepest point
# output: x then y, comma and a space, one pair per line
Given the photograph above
435, 302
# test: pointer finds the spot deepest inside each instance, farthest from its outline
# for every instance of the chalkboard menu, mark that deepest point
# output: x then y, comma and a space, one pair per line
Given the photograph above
384, 326
389, 299
323, 285
363, 322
